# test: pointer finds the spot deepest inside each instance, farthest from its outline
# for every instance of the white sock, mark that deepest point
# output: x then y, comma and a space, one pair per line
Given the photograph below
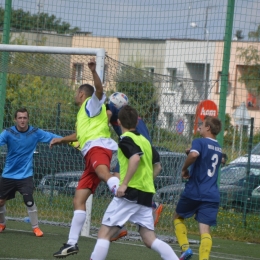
77, 223
113, 184
2, 214
165, 251
100, 250
32, 212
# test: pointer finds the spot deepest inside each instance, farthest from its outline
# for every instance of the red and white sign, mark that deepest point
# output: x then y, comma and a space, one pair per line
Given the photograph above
204, 108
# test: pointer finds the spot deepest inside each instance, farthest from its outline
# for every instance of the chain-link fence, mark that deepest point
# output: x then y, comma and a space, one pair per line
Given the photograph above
167, 57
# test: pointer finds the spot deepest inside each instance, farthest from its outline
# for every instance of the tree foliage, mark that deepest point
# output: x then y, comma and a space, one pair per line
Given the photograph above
255, 34
138, 85
251, 71
44, 96
22, 20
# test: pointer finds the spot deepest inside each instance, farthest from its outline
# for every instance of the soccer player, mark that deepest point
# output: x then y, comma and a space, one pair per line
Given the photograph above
93, 135
201, 194
133, 199
141, 128
21, 141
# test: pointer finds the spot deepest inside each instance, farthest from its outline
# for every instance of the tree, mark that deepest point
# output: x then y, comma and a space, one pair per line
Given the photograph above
22, 20
30, 85
139, 86
255, 34
251, 71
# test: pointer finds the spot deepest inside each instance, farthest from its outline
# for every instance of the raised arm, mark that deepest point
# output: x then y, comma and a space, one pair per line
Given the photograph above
97, 82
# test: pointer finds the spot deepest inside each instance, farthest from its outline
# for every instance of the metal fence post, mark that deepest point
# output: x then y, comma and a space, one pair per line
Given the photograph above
5, 56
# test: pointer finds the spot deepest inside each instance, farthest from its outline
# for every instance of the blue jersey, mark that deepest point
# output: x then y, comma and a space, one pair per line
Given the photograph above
140, 128
202, 184
20, 146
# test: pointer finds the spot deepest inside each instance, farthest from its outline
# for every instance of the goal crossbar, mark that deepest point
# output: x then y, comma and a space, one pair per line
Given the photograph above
98, 52
52, 50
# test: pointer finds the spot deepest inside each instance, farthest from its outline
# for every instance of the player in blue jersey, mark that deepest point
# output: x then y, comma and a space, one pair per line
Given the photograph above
141, 128
201, 194
21, 141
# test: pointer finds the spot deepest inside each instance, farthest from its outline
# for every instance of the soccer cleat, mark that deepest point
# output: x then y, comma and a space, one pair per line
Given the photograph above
186, 254
120, 233
38, 232
2, 227
66, 250
157, 212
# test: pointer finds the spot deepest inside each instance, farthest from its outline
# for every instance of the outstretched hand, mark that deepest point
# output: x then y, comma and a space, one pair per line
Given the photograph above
92, 65
55, 141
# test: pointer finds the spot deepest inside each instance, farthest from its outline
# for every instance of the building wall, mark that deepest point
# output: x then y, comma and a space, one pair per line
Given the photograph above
111, 46
237, 92
188, 58
150, 52
49, 39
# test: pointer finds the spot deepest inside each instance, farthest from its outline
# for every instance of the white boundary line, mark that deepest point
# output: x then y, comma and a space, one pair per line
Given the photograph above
217, 255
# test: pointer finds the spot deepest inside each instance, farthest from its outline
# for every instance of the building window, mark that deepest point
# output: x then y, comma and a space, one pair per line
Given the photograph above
169, 119
78, 72
172, 72
150, 69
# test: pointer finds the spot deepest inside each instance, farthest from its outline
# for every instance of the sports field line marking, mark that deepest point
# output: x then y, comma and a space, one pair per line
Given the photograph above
212, 254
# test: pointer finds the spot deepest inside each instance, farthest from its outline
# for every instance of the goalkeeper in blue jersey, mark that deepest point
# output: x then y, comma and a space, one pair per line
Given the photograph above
141, 128
201, 194
21, 141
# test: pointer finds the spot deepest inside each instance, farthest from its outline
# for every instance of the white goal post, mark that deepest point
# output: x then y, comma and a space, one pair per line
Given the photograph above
100, 61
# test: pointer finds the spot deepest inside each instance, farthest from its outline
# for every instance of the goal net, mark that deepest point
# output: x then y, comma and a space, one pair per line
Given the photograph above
44, 80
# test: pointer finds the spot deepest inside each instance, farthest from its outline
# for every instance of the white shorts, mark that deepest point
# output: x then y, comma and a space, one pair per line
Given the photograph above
120, 211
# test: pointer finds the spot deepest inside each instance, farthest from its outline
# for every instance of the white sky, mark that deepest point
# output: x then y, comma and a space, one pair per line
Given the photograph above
159, 19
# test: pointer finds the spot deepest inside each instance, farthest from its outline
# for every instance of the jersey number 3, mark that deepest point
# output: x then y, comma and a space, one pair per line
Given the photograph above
214, 160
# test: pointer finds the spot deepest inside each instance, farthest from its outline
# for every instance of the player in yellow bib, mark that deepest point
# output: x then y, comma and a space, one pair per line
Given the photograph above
93, 136
133, 201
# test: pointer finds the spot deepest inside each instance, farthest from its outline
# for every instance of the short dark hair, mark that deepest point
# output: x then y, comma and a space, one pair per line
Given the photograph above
21, 110
128, 117
87, 89
214, 123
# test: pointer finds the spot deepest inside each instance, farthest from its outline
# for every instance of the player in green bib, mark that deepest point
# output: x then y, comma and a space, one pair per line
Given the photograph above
93, 136
133, 201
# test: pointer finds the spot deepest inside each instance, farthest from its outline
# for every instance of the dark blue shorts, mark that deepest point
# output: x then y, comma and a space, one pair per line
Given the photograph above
205, 211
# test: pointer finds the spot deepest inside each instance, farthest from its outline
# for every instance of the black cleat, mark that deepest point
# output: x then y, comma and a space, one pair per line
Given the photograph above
66, 250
